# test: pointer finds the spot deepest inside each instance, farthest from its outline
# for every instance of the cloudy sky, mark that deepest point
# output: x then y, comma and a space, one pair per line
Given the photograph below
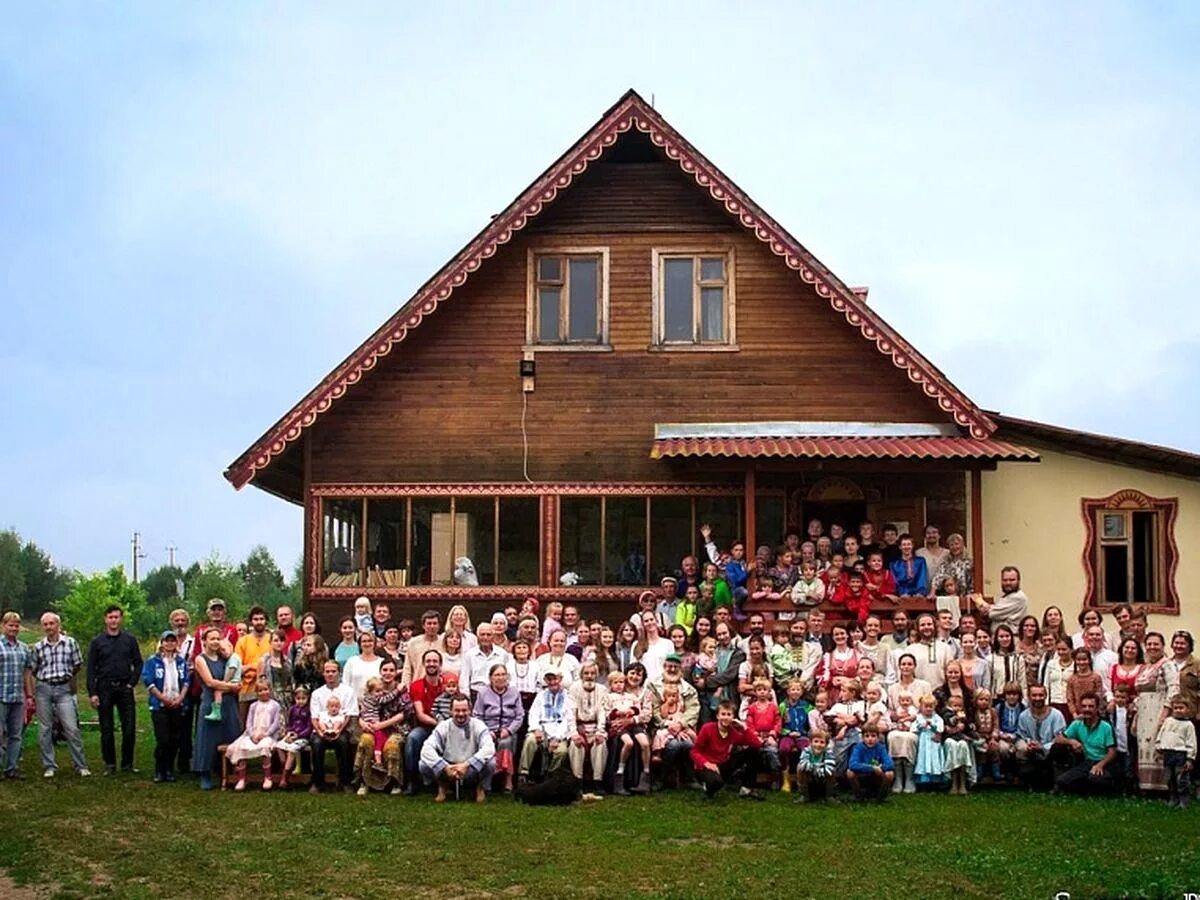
202, 212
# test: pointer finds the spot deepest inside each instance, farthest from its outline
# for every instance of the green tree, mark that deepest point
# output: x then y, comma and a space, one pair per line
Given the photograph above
160, 586
262, 581
45, 583
295, 588
82, 610
12, 573
215, 577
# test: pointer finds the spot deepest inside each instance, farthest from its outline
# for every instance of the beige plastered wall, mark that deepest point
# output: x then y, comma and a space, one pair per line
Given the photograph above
1032, 519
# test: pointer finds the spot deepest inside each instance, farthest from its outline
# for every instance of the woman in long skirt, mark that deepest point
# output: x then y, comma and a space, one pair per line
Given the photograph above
1152, 697
210, 669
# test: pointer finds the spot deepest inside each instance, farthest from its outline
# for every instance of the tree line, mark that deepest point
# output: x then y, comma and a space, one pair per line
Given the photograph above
31, 583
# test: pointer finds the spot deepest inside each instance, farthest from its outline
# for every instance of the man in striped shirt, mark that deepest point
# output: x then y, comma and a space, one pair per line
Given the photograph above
55, 661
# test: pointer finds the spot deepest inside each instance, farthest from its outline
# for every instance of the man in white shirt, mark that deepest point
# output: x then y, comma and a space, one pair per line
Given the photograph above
931, 655
341, 745
478, 661
933, 553
1103, 659
551, 724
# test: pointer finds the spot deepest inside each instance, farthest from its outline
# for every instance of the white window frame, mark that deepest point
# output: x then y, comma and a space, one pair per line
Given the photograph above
658, 317
531, 300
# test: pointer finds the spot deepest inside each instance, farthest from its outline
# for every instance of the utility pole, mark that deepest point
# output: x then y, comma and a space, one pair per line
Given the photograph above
137, 554
171, 548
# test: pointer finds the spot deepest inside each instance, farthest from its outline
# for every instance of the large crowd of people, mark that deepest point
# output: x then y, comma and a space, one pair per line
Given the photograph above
828, 667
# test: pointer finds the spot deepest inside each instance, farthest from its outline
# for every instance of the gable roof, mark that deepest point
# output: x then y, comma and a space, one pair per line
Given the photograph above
1139, 455
630, 112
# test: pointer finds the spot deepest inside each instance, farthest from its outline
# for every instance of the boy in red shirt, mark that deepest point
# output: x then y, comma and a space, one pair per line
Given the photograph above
855, 597
880, 582
723, 748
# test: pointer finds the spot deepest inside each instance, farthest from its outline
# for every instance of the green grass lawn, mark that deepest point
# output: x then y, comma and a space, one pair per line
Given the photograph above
127, 837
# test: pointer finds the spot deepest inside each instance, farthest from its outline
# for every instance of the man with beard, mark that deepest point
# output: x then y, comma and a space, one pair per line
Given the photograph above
1037, 729
419, 645
931, 655
459, 752
681, 728
423, 692
1010, 607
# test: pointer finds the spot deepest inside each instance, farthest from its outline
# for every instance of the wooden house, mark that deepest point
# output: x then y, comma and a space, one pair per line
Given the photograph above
632, 348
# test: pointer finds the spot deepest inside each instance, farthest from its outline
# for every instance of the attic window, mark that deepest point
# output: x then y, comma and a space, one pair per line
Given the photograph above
693, 299
568, 302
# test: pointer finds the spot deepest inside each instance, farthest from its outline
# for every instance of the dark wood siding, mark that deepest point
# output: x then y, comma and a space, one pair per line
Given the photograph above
633, 196
446, 404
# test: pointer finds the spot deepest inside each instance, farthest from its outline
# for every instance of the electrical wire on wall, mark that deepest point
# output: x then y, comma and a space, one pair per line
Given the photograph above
525, 437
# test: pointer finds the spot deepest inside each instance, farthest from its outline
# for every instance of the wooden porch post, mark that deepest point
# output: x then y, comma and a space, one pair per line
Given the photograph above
548, 541
750, 536
977, 528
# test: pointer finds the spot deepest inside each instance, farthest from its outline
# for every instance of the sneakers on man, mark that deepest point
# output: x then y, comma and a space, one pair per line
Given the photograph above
49, 773
85, 772
362, 790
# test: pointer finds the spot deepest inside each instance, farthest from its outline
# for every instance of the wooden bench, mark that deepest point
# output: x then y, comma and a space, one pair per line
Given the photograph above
254, 771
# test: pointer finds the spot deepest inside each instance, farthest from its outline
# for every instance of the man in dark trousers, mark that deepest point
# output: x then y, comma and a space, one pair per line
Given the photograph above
726, 748
114, 666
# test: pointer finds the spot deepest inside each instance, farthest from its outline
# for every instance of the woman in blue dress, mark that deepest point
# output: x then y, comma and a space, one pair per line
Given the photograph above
210, 669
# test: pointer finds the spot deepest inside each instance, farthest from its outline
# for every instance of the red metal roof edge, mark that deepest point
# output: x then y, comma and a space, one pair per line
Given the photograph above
631, 111
844, 448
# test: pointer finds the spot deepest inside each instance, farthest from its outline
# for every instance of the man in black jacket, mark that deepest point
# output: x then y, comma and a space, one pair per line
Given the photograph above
114, 666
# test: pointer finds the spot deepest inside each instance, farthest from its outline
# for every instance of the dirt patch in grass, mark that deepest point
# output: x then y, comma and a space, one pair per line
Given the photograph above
721, 841
10, 890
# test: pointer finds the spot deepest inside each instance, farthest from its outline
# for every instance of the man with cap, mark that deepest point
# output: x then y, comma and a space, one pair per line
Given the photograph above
551, 724
680, 727
459, 751
215, 610
165, 675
